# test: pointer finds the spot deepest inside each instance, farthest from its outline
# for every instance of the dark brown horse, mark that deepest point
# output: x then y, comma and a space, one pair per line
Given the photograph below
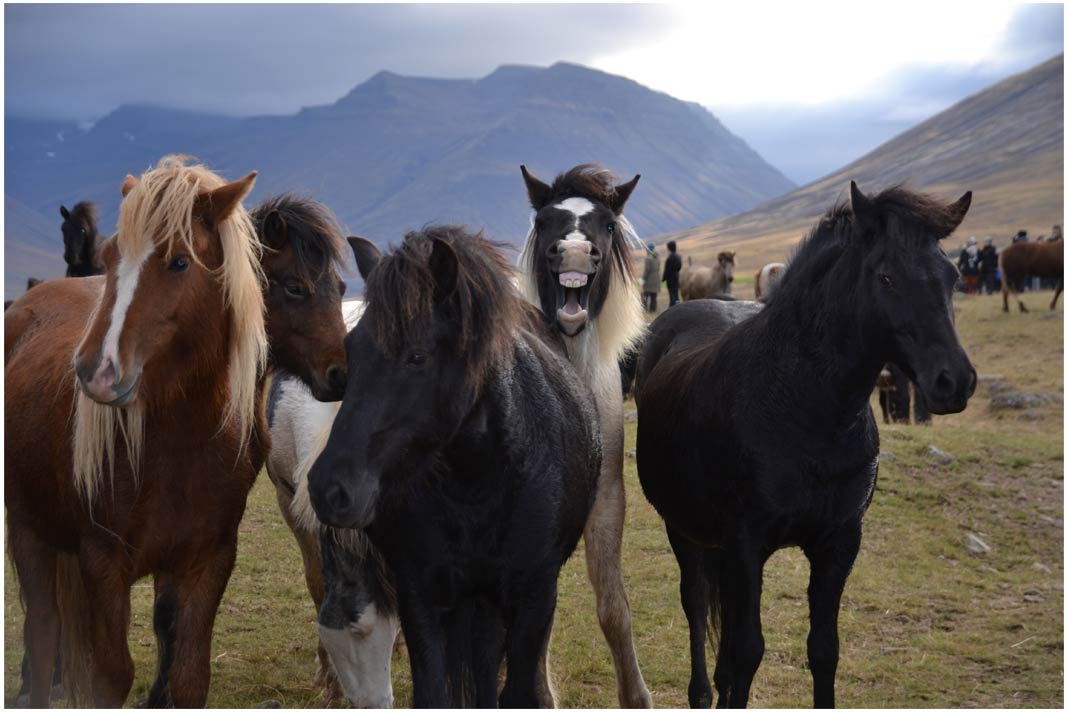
161, 408
1030, 259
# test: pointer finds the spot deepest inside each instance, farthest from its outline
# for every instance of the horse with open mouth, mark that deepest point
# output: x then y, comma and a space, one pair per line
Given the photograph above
467, 448
151, 373
577, 266
742, 458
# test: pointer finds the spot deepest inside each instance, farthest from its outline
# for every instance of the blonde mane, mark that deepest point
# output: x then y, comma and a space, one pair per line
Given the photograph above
620, 325
158, 211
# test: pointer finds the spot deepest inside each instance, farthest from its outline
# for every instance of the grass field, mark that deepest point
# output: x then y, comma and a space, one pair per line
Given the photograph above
924, 622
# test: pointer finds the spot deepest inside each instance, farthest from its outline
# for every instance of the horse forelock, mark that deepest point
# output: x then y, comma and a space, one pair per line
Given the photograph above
486, 307
313, 234
158, 212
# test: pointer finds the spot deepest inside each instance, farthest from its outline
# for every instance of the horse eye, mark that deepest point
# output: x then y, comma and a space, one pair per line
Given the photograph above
341, 287
83, 232
611, 227
179, 264
417, 358
294, 290
885, 280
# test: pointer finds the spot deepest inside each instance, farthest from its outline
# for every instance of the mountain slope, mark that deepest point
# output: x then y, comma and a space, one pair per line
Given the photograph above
1006, 144
398, 152
33, 247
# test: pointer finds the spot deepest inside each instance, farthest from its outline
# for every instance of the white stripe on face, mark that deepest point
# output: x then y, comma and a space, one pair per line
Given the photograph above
577, 207
128, 274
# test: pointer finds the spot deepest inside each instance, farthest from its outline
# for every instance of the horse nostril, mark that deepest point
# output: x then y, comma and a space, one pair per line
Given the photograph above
944, 383
338, 498
337, 377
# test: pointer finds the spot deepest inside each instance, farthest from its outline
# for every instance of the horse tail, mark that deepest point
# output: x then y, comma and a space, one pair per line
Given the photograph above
713, 580
75, 638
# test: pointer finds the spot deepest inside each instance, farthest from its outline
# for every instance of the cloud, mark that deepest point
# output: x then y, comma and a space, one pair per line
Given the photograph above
81, 61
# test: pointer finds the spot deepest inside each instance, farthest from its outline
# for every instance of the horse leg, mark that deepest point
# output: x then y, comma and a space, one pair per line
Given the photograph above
107, 589
200, 588
830, 567
527, 632
35, 564
546, 693
743, 572
425, 636
604, 540
164, 623
1056, 294
693, 590
488, 650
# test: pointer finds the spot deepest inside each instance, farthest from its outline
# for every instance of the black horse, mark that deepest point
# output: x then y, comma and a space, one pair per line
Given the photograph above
761, 436
80, 238
468, 449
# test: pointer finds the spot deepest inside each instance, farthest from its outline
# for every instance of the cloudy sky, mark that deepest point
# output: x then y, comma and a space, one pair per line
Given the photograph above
810, 88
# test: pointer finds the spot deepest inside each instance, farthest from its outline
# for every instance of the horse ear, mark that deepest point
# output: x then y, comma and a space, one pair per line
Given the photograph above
538, 192
275, 232
445, 268
959, 209
863, 210
128, 185
367, 254
621, 194
64, 212
217, 205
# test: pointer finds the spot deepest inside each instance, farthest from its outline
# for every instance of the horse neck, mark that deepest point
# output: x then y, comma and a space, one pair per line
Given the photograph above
823, 353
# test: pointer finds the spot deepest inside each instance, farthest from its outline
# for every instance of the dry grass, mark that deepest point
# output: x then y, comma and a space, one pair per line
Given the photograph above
924, 622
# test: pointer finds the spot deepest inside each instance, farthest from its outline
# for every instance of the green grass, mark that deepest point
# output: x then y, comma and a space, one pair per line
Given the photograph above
924, 622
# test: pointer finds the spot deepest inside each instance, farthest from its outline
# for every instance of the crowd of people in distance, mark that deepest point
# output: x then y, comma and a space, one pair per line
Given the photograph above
979, 269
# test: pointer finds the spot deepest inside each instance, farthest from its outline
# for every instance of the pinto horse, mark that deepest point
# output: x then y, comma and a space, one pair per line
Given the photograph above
1030, 259
468, 450
151, 373
577, 266
80, 240
741, 458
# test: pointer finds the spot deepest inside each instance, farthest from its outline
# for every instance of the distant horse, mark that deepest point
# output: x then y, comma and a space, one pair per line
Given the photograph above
576, 266
467, 448
165, 353
766, 278
301, 256
1031, 259
741, 457
80, 240
350, 585
895, 400
705, 282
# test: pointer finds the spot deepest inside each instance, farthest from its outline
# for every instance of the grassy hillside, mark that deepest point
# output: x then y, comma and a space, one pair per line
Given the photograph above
33, 247
1006, 144
924, 622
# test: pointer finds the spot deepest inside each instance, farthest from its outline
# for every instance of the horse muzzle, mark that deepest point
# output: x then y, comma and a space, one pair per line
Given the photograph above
104, 383
948, 390
574, 264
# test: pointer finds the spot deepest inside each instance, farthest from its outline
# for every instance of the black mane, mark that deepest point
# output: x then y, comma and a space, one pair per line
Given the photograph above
588, 180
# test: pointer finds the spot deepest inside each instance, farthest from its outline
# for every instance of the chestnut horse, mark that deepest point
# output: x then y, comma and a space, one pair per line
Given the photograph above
158, 396
1031, 259
705, 282
301, 257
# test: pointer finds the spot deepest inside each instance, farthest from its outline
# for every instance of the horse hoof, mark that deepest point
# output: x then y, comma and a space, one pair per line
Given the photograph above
269, 705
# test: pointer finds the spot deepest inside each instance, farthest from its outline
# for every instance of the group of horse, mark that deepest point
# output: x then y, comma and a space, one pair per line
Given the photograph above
439, 455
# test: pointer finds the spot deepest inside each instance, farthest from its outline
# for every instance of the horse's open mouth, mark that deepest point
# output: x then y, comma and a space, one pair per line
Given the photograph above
572, 301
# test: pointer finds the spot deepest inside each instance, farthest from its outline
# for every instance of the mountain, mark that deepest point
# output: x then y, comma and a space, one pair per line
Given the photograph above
397, 152
33, 247
1005, 143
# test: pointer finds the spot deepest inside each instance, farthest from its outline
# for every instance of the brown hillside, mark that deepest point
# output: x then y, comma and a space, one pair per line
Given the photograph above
1006, 144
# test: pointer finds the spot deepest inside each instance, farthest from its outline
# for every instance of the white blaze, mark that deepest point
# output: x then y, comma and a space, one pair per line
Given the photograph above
577, 207
128, 274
